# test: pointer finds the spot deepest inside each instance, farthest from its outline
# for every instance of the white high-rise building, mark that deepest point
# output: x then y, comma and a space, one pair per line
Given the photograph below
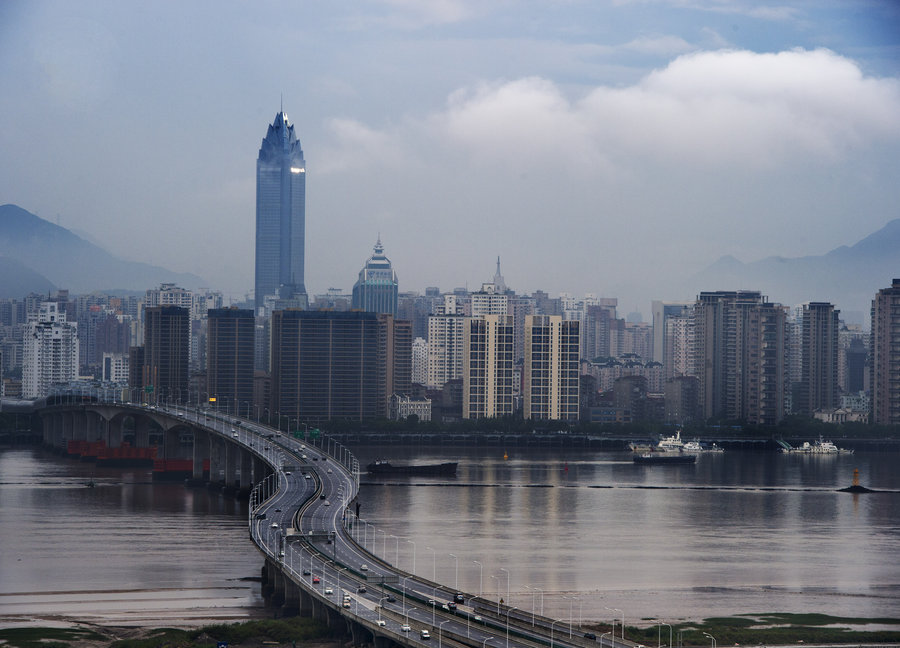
420, 361
50, 351
445, 349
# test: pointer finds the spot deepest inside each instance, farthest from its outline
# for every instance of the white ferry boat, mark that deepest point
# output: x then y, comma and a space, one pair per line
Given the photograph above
696, 446
671, 443
818, 447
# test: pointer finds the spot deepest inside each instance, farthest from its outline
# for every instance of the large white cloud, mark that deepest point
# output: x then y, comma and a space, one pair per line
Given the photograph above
718, 152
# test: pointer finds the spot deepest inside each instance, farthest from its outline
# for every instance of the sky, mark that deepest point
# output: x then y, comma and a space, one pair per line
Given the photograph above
594, 146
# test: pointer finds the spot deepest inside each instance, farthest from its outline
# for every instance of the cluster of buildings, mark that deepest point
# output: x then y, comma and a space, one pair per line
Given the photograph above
375, 352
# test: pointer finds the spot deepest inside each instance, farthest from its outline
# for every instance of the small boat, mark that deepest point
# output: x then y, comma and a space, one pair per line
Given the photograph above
664, 458
819, 447
671, 444
387, 468
696, 446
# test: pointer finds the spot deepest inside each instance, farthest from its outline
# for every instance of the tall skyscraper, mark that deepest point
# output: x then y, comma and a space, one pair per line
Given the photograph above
819, 358
325, 365
885, 355
376, 289
280, 214
552, 356
740, 343
167, 346
231, 339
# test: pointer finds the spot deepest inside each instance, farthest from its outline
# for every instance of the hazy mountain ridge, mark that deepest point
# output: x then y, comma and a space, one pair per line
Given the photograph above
847, 276
68, 261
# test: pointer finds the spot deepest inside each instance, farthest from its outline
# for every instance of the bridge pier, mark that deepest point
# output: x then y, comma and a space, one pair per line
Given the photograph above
200, 452
291, 605
246, 471
232, 452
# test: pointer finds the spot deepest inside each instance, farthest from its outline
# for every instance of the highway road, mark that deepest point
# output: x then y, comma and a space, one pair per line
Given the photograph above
302, 516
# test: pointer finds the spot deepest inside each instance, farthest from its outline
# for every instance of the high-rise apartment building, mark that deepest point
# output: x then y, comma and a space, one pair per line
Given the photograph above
551, 369
819, 359
230, 339
739, 353
50, 354
376, 288
167, 346
394, 359
445, 349
487, 366
280, 214
884, 366
420, 361
325, 365
671, 323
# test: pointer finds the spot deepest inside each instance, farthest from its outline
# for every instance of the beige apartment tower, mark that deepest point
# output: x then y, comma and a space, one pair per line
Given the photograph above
488, 367
551, 371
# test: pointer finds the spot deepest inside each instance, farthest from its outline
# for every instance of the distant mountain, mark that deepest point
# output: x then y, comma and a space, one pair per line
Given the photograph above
60, 257
848, 277
18, 280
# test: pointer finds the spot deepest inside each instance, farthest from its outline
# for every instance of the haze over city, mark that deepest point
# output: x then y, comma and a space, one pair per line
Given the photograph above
592, 146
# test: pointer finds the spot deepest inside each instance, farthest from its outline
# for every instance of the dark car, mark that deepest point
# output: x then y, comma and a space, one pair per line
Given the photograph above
260, 516
451, 606
590, 635
390, 599
459, 598
361, 589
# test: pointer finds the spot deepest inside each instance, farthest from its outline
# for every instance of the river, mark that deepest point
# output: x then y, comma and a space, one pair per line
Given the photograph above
585, 535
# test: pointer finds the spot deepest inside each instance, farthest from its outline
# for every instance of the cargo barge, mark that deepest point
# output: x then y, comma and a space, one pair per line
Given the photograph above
387, 468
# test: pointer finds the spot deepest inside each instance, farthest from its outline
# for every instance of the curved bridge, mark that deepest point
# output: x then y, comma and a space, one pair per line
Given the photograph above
301, 518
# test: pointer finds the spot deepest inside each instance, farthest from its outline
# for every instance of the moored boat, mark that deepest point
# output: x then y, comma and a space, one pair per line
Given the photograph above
664, 458
818, 448
671, 443
387, 468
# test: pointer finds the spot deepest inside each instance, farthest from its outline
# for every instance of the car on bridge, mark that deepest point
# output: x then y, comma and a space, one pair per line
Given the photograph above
328, 590
316, 580
425, 635
381, 622
405, 628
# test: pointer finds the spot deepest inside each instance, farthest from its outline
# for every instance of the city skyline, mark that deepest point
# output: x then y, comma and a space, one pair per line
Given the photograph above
614, 140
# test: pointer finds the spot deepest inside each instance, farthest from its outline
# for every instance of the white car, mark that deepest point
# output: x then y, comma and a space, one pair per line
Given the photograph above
424, 634
364, 567
328, 590
405, 628
381, 622
274, 525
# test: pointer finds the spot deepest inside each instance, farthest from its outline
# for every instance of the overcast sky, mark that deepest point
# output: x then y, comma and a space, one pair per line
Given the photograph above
594, 145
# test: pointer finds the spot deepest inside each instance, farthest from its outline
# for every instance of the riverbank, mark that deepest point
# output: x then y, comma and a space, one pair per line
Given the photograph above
774, 629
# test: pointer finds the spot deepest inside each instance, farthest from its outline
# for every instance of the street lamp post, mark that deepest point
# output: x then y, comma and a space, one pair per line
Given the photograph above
712, 639
612, 644
414, 555
551, 630
407, 615
405, 578
440, 631
623, 619
455, 572
659, 634
507, 583
396, 551
433, 564
480, 578
484, 643
508, 610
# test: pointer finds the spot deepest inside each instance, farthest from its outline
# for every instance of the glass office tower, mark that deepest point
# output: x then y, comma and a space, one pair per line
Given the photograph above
280, 214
